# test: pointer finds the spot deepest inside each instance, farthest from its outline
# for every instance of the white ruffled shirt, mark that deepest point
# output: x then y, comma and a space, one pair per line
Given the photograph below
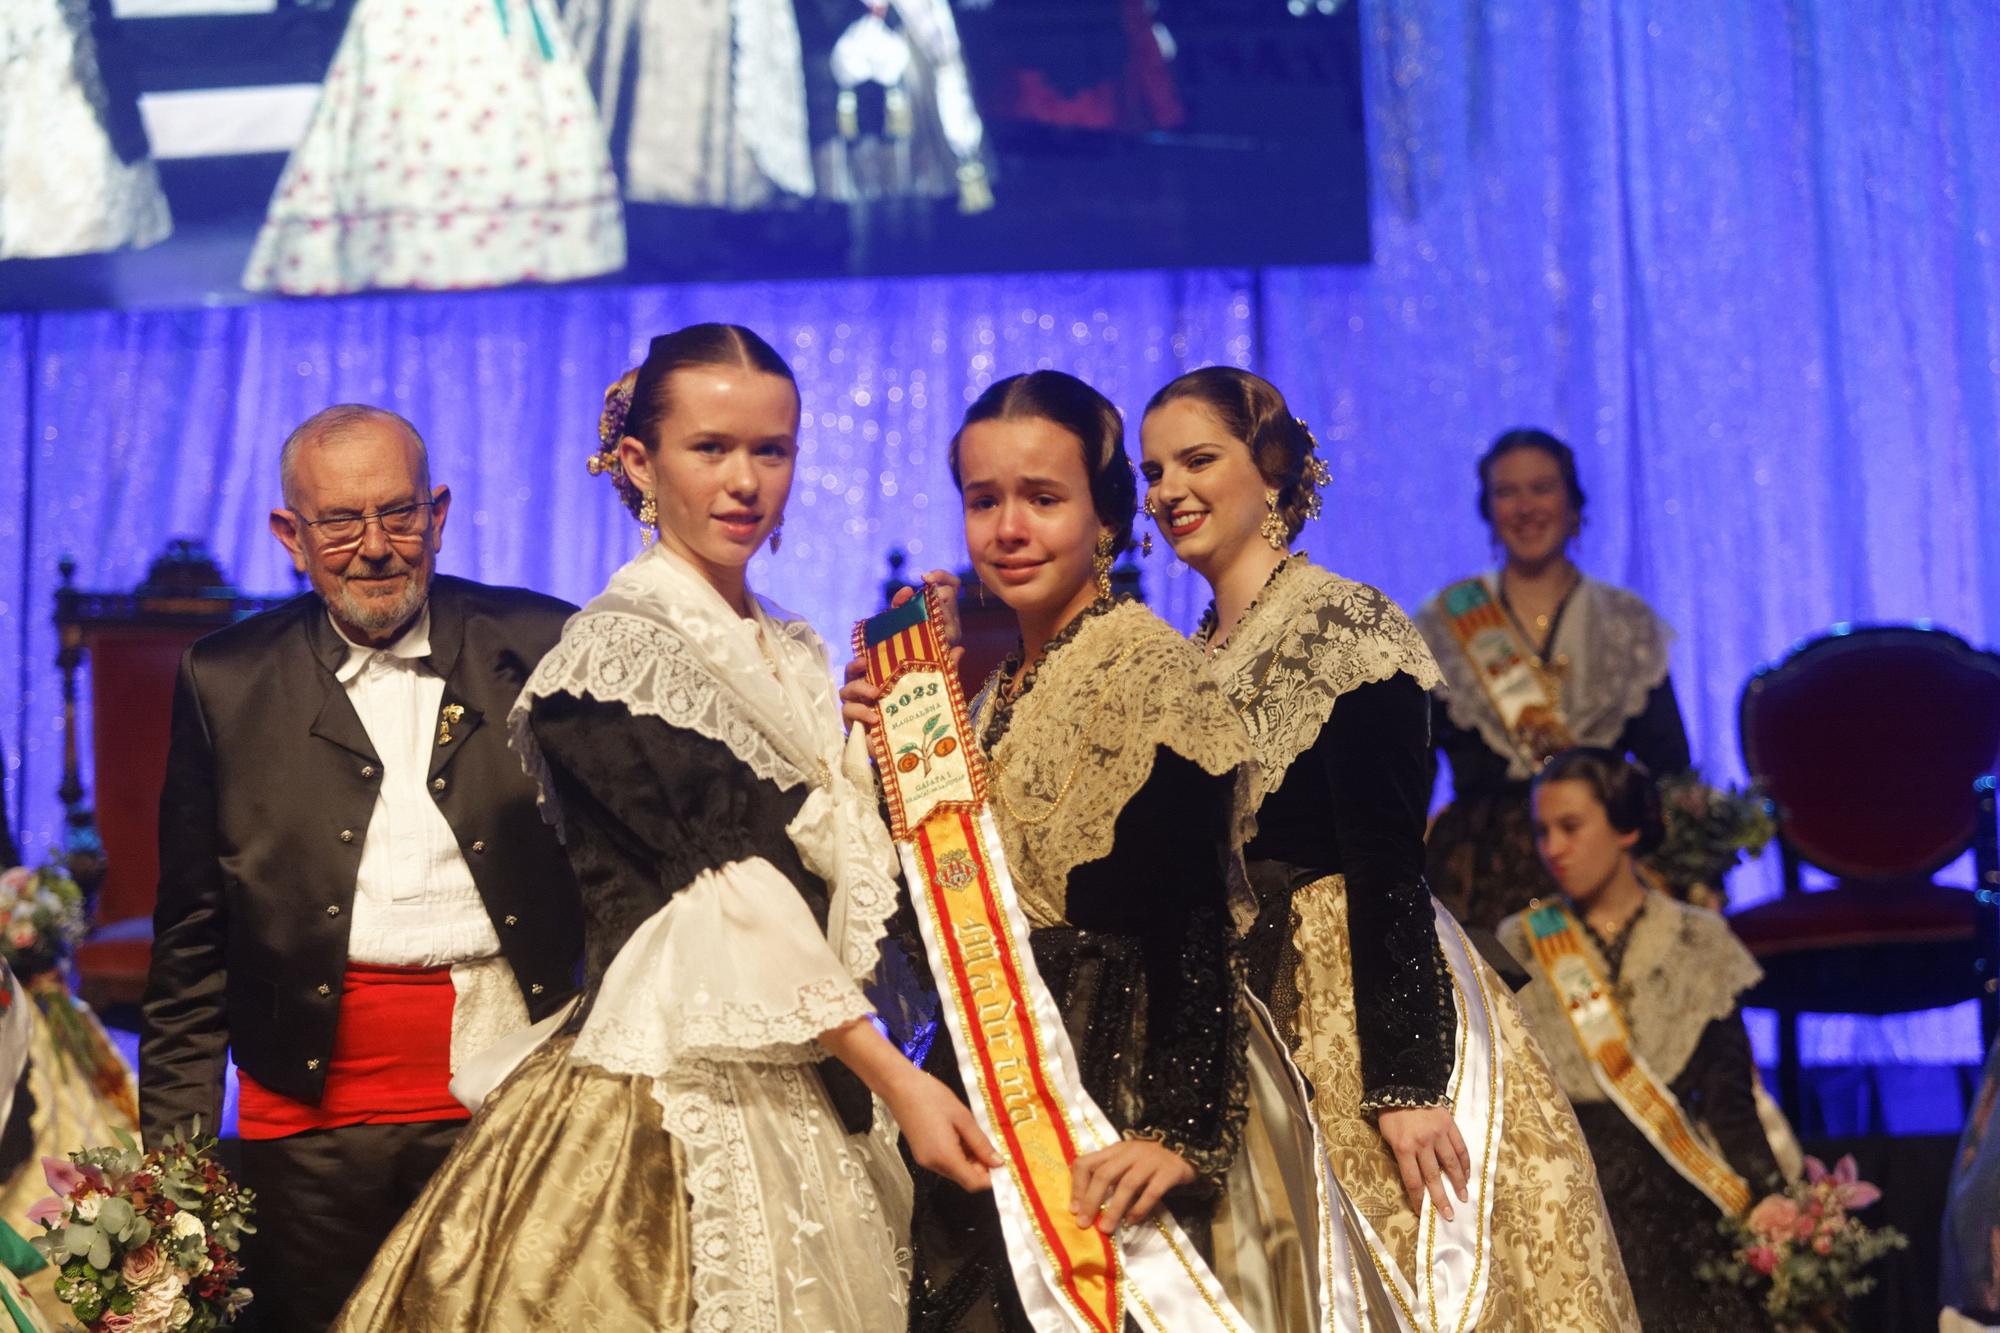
415, 904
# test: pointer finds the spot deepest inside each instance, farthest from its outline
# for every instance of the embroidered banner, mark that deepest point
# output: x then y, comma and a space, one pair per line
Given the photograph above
1014, 1055
1632, 1087
1520, 692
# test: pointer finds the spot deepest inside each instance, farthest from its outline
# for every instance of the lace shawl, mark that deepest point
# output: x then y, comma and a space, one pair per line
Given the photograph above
794, 1224
1081, 743
661, 641
1311, 637
1683, 969
1611, 653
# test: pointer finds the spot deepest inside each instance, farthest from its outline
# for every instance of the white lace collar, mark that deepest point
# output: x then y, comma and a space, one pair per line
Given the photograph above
662, 641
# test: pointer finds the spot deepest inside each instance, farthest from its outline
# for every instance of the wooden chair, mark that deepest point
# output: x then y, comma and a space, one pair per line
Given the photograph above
132, 643
1878, 746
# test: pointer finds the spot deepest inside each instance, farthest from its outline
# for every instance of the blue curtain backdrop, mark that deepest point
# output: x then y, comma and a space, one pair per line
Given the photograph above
1742, 256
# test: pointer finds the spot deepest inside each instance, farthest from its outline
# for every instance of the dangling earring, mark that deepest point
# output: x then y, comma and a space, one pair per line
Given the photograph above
777, 535
1100, 561
1146, 538
1273, 526
649, 518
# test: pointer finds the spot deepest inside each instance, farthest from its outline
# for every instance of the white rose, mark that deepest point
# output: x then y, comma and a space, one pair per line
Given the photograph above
187, 1224
181, 1312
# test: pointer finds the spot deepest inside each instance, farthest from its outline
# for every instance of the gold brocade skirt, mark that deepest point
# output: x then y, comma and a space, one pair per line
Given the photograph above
1555, 1266
84, 1097
563, 1206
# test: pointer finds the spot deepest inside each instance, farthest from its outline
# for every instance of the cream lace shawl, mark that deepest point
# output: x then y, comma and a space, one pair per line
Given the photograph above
1311, 637
1612, 650
1684, 968
1081, 743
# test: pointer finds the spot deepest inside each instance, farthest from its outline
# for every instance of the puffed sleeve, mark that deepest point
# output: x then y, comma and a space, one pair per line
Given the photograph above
734, 966
1374, 749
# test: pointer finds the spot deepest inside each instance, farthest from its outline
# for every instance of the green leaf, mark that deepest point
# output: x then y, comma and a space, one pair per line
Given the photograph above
116, 1216
100, 1249
79, 1238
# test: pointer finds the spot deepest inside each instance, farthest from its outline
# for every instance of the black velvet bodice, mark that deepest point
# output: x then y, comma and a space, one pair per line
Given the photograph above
1353, 804
646, 807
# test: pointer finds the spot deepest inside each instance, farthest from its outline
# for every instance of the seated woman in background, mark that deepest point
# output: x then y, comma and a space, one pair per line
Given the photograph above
1635, 998
1537, 658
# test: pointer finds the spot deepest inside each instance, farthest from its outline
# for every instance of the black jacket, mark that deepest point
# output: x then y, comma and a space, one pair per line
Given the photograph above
271, 780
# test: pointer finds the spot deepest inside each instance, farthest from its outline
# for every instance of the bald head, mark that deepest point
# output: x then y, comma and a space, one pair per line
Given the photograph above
335, 423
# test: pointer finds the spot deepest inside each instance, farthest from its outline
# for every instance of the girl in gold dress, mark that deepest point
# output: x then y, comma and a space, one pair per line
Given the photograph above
678, 1152
1116, 770
1439, 1111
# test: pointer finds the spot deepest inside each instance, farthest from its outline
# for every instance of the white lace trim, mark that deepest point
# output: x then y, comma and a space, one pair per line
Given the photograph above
486, 1006
1684, 968
1616, 648
795, 1225
1312, 637
733, 968
661, 641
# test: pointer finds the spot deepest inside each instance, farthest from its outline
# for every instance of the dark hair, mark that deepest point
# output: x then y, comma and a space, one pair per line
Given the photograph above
1623, 787
1251, 409
1527, 437
1066, 401
638, 401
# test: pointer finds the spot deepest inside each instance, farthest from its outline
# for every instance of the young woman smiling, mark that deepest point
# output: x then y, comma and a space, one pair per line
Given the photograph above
1537, 657
1358, 965
1114, 767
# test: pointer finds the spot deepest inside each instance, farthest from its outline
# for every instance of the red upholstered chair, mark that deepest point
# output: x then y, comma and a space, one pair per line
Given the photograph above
1878, 746
129, 645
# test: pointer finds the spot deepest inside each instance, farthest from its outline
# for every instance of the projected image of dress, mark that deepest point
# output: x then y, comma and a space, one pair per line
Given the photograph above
75, 174
905, 124
704, 99
454, 145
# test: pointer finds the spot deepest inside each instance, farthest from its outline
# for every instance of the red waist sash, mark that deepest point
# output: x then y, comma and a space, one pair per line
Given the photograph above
391, 1061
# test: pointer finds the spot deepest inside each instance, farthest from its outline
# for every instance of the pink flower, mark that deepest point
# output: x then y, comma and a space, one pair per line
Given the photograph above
1823, 1245
23, 937
65, 1176
1843, 1183
1805, 1226
1762, 1258
48, 1212
113, 1323
1773, 1217
17, 881
144, 1265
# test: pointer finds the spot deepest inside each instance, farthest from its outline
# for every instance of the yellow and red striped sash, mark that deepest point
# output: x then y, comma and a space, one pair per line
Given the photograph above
1607, 1045
1014, 1055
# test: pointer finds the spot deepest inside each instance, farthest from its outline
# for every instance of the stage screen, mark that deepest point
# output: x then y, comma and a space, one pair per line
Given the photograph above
238, 148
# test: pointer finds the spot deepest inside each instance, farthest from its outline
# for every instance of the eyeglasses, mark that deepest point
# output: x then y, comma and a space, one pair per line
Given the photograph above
398, 524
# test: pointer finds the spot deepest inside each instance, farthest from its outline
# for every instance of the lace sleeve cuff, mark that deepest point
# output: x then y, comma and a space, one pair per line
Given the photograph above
1401, 1098
733, 969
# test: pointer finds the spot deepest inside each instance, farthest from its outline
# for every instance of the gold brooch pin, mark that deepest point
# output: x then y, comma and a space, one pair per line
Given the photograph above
450, 714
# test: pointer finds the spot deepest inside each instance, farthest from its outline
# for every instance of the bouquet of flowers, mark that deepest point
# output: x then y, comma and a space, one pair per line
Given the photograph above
1709, 829
146, 1242
1805, 1249
41, 918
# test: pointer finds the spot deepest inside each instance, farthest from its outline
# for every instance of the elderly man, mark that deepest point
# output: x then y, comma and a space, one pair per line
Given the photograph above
356, 888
